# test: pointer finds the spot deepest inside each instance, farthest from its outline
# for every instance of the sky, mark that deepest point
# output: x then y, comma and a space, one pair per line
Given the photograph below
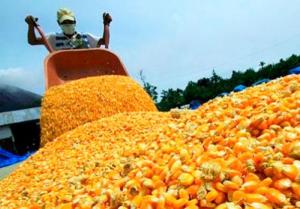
173, 41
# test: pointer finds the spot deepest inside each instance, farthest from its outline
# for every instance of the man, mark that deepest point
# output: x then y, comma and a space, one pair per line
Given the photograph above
69, 38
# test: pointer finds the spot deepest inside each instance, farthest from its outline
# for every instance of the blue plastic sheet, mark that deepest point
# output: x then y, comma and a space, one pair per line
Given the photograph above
261, 82
295, 70
239, 88
194, 104
8, 158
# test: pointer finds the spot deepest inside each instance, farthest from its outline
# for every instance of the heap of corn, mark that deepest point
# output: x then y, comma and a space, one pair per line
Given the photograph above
65, 107
240, 151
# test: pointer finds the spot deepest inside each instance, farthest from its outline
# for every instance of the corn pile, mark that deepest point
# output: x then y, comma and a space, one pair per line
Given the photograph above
240, 151
68, 106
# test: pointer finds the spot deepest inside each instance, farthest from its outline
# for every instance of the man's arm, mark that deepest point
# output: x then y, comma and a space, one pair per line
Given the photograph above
106, 35
31, 37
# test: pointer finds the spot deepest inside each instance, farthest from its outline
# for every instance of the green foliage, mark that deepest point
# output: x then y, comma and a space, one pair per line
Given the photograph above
149, 88
171, 99
208, 88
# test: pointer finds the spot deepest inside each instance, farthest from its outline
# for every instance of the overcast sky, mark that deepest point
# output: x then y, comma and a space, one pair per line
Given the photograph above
173, 42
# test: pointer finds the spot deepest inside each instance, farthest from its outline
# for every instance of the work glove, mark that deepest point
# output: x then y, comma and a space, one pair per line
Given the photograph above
106, 18
30, 20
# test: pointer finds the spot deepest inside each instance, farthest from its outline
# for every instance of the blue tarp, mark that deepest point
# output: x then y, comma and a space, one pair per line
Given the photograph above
239, 88
194, 104
295, 70
8, 158
266, 80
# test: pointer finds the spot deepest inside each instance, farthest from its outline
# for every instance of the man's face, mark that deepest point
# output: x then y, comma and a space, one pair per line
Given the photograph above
68, 26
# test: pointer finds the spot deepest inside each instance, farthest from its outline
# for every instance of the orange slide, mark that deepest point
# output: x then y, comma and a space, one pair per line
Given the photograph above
67, 65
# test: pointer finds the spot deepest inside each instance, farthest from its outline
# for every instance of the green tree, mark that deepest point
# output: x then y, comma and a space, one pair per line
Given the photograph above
149, 88
203, 82
171, 99
262, 64
192, 91
215, 78
250, 76
208, 88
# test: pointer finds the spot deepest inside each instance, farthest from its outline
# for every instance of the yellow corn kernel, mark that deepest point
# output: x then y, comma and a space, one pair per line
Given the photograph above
186, 179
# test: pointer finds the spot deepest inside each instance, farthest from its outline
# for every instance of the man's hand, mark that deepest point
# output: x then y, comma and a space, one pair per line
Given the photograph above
106, 18
30, 20
31, 37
